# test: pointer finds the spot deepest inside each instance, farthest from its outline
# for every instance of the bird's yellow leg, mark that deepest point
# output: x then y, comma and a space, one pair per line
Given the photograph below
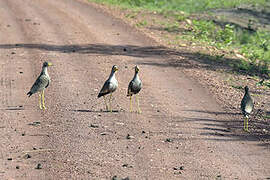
247, 125
43, 100
137, 99
244, 123
110, 102
105, 103
39, 100
130, 107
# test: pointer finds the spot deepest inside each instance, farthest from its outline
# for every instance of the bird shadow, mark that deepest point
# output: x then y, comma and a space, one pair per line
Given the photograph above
230, 129
94, 111
14, 108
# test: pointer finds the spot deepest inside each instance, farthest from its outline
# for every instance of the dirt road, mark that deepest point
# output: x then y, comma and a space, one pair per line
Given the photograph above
181, 134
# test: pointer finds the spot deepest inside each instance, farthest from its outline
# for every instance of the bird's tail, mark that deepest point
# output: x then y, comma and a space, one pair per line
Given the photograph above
29, 93
129, 93
101, 94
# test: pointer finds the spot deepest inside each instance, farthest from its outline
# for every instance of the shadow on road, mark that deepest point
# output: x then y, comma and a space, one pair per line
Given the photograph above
232, 129
216, 113
187, 60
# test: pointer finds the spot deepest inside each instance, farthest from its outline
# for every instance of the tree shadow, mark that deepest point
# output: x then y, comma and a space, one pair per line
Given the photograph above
241, 17
218, 128
232, 129
216, 112
101, 49
188, 59
210, 62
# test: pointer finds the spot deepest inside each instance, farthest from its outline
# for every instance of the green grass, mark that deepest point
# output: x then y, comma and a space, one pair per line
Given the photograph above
266, 116
171, 27
254, 46
142, 23
188, 6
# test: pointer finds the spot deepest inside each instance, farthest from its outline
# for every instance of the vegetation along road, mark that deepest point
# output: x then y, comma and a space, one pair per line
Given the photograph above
190, 127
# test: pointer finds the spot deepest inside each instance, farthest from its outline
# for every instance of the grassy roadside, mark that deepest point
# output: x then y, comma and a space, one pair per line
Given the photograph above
199, 21
190, 6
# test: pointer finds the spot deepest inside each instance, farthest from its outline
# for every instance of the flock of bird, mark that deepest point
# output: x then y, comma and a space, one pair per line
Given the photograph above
134, 88
110, 85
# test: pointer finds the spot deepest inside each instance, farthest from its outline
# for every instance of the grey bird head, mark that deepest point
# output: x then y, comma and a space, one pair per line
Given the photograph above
114, 68
136, 69
47, 64
246, 88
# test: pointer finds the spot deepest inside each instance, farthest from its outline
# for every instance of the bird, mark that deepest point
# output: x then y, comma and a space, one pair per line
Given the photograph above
109, 87
41, 83
246, 107
134, 87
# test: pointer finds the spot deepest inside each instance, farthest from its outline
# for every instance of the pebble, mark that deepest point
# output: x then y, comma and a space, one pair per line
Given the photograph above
168, 140
36, 123
38, 166
178, 169
94, 126
127, 166
117, 178
219, 177
129, 136
9, 159
27, 156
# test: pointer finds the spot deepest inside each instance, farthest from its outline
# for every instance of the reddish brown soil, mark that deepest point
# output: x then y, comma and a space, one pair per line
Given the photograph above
182, 133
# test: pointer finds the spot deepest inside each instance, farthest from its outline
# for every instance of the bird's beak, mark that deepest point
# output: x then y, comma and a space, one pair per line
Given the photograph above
116, 69
50, 64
